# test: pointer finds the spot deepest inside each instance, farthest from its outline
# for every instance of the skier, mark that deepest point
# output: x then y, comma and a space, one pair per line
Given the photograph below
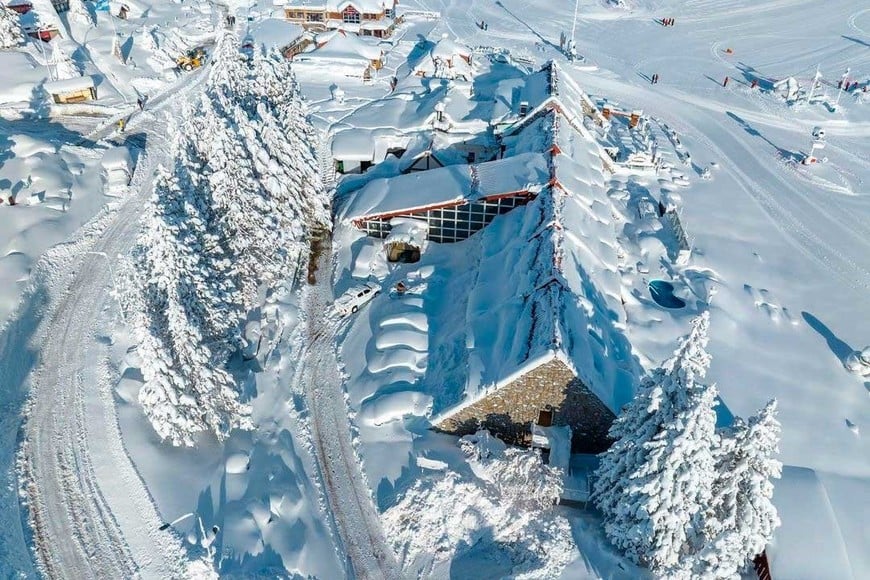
725, 82
754, 83
141, 103
121, 124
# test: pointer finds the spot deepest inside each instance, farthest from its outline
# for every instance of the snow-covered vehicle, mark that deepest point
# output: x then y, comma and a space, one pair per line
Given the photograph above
355, 298
117, 164
858, 362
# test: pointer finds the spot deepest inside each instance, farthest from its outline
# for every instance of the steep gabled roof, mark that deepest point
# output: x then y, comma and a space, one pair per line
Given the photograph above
548, 285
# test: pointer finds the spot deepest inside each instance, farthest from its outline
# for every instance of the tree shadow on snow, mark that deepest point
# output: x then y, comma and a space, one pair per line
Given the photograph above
19, 360
488, 558
840, 348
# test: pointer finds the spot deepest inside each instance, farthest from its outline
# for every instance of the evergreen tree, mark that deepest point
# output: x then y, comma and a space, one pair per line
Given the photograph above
741, 517
654, 482
11, 34
80, 12
64, 66
229, 220
188, 318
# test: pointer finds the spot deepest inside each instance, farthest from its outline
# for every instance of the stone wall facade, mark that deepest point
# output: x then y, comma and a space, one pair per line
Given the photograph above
509, 411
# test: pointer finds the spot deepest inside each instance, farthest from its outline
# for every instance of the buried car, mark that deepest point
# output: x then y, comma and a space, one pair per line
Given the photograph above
357, 297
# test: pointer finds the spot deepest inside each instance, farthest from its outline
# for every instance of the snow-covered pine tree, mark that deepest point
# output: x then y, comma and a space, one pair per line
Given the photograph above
229, 69
80, 13
183, 299
244, 219
741, 517
653, 483
11, 34
64, 66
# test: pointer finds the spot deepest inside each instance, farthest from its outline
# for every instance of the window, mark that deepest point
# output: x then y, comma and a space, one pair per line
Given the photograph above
390, 12
314, 17
350, 15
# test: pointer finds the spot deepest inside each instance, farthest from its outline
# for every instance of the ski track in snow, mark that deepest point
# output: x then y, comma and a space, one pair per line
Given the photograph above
92, 519
348, 495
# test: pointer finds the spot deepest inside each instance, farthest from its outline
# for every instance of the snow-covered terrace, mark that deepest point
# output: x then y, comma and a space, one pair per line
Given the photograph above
520, 175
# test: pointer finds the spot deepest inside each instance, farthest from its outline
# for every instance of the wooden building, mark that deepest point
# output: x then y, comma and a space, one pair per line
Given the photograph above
75, 90
364, 17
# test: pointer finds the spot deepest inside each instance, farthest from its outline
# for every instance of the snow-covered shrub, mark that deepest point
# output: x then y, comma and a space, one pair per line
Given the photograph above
741, 517
11, 34
519, 474
654, 483
506, 512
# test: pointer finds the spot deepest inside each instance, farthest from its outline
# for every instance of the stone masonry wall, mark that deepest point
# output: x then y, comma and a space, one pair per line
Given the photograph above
509, 411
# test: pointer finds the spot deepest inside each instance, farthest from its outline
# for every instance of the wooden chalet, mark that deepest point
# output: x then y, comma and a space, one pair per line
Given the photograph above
364, 17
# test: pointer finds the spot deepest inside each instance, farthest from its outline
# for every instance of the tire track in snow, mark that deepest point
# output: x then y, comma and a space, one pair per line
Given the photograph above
91, 520
353, 511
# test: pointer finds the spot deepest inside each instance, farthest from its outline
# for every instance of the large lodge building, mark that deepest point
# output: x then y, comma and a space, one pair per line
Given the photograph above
365, 17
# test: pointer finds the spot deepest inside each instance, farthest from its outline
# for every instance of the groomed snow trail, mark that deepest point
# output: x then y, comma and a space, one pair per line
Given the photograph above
90, 513
350, 500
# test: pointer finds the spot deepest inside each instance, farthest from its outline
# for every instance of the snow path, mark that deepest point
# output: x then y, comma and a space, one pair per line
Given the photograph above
349, 497
90, 513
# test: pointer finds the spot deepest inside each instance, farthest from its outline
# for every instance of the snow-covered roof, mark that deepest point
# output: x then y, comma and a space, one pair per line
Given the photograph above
546, 89
408, 230
369, 6
822, 517
446, 185
354, 145
448, 48
342, 47
548, 284
274, 33
449, 52
69, 85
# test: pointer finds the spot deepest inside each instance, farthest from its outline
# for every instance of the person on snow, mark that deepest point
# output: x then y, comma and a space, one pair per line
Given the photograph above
725, 82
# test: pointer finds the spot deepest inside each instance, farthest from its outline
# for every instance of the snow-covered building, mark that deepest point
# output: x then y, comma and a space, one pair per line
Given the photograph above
19, 6
547, 318
276, 34
355, 150
74, 90
446, 59
455, 201
342, 53
364, 17
517, 104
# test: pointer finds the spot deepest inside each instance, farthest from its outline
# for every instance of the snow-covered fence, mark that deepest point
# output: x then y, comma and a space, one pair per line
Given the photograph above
426, 14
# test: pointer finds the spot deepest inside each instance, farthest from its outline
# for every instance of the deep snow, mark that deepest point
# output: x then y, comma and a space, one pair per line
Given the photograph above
779, 249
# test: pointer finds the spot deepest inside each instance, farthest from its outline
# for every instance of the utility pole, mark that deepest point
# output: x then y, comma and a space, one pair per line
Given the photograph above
840, 90
813, 87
